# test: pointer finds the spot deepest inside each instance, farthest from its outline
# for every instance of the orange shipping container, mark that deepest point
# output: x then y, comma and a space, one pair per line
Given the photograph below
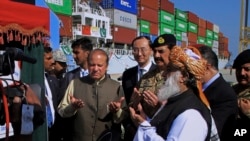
192, 37
148, 14
123, 35
167, 6
66, 29
154, 28
192, 17
202, 31
209, 25
153, 4
202, 23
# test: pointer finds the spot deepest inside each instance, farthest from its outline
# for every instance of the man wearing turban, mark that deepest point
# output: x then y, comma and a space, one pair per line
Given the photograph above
184, 114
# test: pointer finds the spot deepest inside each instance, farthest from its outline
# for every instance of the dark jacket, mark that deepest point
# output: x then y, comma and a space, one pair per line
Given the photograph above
54, 87
223, 102
66, 80
234, 126
130, 79
65, 124
55, 130
177, 105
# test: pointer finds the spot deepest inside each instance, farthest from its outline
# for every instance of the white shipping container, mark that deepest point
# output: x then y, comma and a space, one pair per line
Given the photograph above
216, 28
215, 43
216, 50
184, 36
121, 18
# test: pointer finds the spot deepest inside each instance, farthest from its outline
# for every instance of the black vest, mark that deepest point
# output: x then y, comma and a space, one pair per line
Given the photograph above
175, 106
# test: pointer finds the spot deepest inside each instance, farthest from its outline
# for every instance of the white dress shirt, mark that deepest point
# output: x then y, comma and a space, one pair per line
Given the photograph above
188, 126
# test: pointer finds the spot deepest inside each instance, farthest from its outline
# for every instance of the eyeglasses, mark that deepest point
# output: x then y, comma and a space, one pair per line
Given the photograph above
137, 50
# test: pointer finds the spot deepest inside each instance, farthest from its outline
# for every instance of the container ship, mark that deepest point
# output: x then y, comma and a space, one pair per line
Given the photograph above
113, 24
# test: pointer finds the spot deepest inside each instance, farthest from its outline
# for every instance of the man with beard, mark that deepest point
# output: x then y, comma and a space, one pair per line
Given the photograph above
153, 80
183, 116
242, 89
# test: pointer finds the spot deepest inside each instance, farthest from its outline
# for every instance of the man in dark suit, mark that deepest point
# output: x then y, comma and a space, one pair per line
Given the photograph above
81, 49
142, 53
220, 95
51, 89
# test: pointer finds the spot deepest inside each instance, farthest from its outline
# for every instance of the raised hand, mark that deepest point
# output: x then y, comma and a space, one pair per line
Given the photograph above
244, 105
150, 98
114, 106
135, 98
77, 103
137, 117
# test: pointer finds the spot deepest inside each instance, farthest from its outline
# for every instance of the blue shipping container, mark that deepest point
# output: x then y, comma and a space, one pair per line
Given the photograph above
151, 36
129, 6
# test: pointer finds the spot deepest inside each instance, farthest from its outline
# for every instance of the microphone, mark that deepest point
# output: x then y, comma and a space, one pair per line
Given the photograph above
19, 55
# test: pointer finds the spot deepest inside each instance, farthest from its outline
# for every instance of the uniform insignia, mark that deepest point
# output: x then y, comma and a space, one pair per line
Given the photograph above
161, 40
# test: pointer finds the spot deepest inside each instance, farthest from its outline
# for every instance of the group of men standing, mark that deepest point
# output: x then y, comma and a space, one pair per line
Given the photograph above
179, 96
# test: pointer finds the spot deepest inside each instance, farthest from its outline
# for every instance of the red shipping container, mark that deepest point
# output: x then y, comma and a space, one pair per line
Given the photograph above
209, 25
123, 35
167, 6
225, 44
153, 4
154, 28
148, 14
202, 23
192, 17
220, 34
66, 29
191, 43
201, 31
192, 37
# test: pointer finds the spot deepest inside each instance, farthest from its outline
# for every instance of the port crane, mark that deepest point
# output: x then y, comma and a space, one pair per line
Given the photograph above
244, 29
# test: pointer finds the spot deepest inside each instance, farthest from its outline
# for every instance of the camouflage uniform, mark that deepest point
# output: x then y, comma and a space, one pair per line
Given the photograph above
152, 81
242, 92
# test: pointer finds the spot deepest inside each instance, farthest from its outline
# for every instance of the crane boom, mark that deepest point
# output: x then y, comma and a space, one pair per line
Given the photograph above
244, 29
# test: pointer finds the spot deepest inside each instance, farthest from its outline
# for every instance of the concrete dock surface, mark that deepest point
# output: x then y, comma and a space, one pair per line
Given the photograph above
228, 75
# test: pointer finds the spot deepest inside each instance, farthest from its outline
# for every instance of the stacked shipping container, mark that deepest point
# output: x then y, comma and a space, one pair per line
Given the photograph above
123, 15
155, 17
201, 39
166, 17
148, 18
192, 27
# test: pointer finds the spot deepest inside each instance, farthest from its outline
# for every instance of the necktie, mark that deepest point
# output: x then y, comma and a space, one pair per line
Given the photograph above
48, 109
141, 73
49, 115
